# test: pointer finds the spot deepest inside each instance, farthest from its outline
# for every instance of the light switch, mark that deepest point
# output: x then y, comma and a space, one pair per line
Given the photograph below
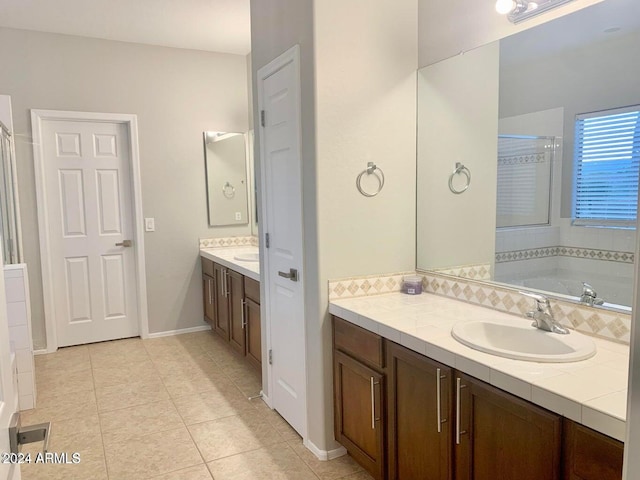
150, 224
238, 216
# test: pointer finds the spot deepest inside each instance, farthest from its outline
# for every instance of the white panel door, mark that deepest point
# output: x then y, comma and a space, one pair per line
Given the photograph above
8, 394
281, 170
88, 188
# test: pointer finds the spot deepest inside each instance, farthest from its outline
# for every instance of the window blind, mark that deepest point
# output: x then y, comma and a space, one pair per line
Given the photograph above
607, 161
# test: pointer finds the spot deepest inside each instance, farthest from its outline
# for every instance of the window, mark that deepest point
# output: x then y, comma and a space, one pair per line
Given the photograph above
607, 160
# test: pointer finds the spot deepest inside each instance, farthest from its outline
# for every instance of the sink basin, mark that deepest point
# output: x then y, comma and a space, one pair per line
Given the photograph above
247, 257
520, 341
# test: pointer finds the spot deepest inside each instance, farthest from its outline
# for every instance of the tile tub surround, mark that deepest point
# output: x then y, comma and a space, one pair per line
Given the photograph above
19, 315
221, 242
591, 392
225, 257
596, 322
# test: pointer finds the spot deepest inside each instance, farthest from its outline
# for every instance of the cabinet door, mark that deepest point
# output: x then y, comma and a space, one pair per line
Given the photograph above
221, 325
589, 455
503, 437
236, 311
253, 331
419, 393
359, 412
209, 291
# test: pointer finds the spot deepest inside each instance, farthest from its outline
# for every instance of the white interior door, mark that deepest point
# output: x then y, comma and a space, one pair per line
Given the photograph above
279, 98
8, 393
87, 180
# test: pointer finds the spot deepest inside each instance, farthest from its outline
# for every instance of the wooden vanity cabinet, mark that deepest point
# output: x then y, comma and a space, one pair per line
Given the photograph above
502, 436
419, 415
589, 455
359, 398
237, 312
253, 328
209, 291
221, 324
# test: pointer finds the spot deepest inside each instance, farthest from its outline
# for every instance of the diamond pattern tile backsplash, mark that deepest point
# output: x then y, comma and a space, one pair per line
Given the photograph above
614, 326
229, 242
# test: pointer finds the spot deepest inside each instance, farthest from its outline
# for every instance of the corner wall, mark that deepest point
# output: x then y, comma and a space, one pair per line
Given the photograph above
176, 94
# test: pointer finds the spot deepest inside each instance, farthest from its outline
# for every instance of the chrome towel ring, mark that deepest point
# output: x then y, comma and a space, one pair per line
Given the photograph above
229, 190
460, 169
370, 170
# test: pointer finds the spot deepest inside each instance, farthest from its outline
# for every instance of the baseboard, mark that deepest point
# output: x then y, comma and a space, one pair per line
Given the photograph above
169, 333
42, 351
324, 455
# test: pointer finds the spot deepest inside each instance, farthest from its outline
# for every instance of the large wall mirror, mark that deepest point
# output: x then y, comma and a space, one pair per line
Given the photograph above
547, 122
227, 178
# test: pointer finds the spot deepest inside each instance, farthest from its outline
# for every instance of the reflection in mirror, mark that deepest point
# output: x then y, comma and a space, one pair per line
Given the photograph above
563, 208
226, 174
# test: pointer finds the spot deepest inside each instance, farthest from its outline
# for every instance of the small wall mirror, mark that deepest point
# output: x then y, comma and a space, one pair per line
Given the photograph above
226, 173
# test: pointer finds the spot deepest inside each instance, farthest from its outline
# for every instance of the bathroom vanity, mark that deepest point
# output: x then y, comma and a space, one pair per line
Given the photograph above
411, 402
231, 298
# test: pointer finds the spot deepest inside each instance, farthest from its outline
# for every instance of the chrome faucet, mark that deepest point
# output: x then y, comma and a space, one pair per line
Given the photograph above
589, 295
543, 316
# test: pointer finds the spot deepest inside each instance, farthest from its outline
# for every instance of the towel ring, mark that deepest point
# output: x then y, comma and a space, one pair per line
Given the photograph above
460, 169
228, 190
371, 168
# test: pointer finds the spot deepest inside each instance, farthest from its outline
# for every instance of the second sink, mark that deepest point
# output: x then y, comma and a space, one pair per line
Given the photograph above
518, 340
247, 257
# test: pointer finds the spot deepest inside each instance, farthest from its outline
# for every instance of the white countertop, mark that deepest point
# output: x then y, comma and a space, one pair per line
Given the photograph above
592, 392
225, 256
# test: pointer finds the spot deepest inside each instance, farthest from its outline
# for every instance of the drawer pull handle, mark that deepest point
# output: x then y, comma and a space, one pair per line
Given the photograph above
373, 403
439, 398
459, 387
244, 319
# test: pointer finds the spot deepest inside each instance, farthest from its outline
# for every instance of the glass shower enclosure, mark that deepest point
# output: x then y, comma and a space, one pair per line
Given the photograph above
9, 219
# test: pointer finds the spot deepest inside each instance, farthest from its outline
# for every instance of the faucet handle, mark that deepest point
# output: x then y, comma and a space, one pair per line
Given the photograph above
541, 300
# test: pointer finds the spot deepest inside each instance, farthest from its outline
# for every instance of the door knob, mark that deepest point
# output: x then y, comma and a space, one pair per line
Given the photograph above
124, 243
292, 275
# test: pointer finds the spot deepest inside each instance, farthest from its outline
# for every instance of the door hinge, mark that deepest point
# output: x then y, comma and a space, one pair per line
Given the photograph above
267, 240
270, 357
263, 122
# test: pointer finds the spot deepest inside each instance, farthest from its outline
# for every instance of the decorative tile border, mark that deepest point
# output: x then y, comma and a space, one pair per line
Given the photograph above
613, 326
562, 251
477, 272
229, 242
364, 286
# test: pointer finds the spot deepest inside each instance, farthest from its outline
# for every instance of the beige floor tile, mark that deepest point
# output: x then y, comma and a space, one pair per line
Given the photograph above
67, 359
117, 353
139, 420
144, 456
114, 397
326, 470
249, 384
200, 472
285, 430
358, 476
274, 462
196, 382
185, 365
50, 383
231, 435
123, 346
212, 405
61, 407
117, 374
93, 468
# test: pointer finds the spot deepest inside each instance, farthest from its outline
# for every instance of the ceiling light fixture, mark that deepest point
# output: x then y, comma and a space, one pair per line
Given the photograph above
520, 10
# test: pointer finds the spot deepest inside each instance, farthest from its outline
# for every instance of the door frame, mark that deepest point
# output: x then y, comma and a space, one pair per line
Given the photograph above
290, 56
130, 121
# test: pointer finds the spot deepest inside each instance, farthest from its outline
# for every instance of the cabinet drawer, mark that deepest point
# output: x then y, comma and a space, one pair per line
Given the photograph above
358, 342
207, 266
252, 289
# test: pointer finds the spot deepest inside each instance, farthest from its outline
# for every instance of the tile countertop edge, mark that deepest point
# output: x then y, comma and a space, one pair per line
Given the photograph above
600, 418
224, 256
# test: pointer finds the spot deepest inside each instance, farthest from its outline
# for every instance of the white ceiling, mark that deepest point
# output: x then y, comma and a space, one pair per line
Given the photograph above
212, 25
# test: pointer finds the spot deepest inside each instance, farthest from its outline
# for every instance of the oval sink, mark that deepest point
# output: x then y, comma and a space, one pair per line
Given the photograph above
247, 257
519, 340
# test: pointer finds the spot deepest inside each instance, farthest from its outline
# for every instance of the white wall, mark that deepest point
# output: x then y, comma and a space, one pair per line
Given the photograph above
450, 27
457, 122
177, 94
366, 61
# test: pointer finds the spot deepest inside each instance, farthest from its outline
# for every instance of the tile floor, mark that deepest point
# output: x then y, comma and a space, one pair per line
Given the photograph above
172, 408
